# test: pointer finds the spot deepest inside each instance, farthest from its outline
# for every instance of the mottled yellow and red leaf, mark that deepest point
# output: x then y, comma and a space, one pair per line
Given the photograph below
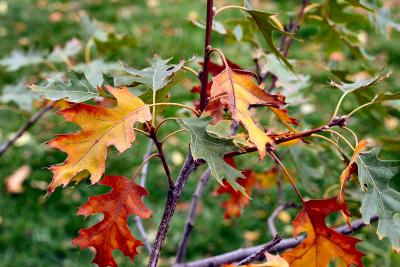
113, 231
237, 90
322, 244
100, 128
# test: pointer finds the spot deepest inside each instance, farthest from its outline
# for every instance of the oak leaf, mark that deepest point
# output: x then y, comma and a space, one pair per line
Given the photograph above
346, 173
77, 89
101, 128
236, 90
322, 243
113, 231
212, 150
381, 198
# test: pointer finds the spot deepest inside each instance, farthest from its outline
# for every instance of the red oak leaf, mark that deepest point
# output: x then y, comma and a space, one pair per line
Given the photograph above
113, 231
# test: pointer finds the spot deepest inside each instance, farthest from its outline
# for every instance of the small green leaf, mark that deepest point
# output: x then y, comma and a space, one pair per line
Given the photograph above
361, 84
157, 76
380, 199
78, 89
20, 95
112, 42
360, 3
267, 26
71, 48
18, 59
211, 150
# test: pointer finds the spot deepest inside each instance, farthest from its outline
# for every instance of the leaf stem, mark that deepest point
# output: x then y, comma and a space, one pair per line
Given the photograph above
341, 137
327, 139
339, 104
164, 121
171, 134
144, 163
361, 107
191, 71
219, 10
352, 132
140, 131
287, 174
221, 55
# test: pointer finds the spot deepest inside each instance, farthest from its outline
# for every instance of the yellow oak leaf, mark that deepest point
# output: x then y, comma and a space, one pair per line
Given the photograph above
101, 128
237, 90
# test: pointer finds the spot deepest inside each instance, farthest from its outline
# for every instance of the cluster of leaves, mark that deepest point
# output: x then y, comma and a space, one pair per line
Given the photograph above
121, 101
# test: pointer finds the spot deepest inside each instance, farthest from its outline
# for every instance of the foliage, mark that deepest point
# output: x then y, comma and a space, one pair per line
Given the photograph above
273, 100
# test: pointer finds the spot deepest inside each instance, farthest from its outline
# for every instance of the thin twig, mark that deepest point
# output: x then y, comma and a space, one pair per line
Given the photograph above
172, 199
341, 121
142, 182
260, 254
181, 252
274, 214
161, 155
5, 146
285, 244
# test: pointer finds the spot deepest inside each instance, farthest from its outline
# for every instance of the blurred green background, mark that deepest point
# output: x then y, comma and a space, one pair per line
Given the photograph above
36, 231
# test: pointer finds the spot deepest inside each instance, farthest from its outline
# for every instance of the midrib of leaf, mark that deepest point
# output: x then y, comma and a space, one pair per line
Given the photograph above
376, 188
113, 218
108, 130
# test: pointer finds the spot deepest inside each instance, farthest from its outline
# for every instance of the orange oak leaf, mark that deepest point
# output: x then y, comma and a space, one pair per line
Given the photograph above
101, 128
214, 69
237, 200
322, 243
113, 231
346, 174
237, 90
283, 116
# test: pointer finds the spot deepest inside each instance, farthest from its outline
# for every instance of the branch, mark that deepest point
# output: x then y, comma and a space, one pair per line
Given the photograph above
181, 252
260, 254
173, 196
153, 135
341, 121
286, 243
207, 46
5, 146
142, 182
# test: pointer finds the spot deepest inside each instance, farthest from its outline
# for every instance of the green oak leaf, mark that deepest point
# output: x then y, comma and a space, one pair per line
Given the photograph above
157, 76
94, 71
60, 54
18, 59
20, 95
289, 82
77, 89
382, 21
211, 150
380, 199
360, 84
360, 3
267, 26
112, 42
